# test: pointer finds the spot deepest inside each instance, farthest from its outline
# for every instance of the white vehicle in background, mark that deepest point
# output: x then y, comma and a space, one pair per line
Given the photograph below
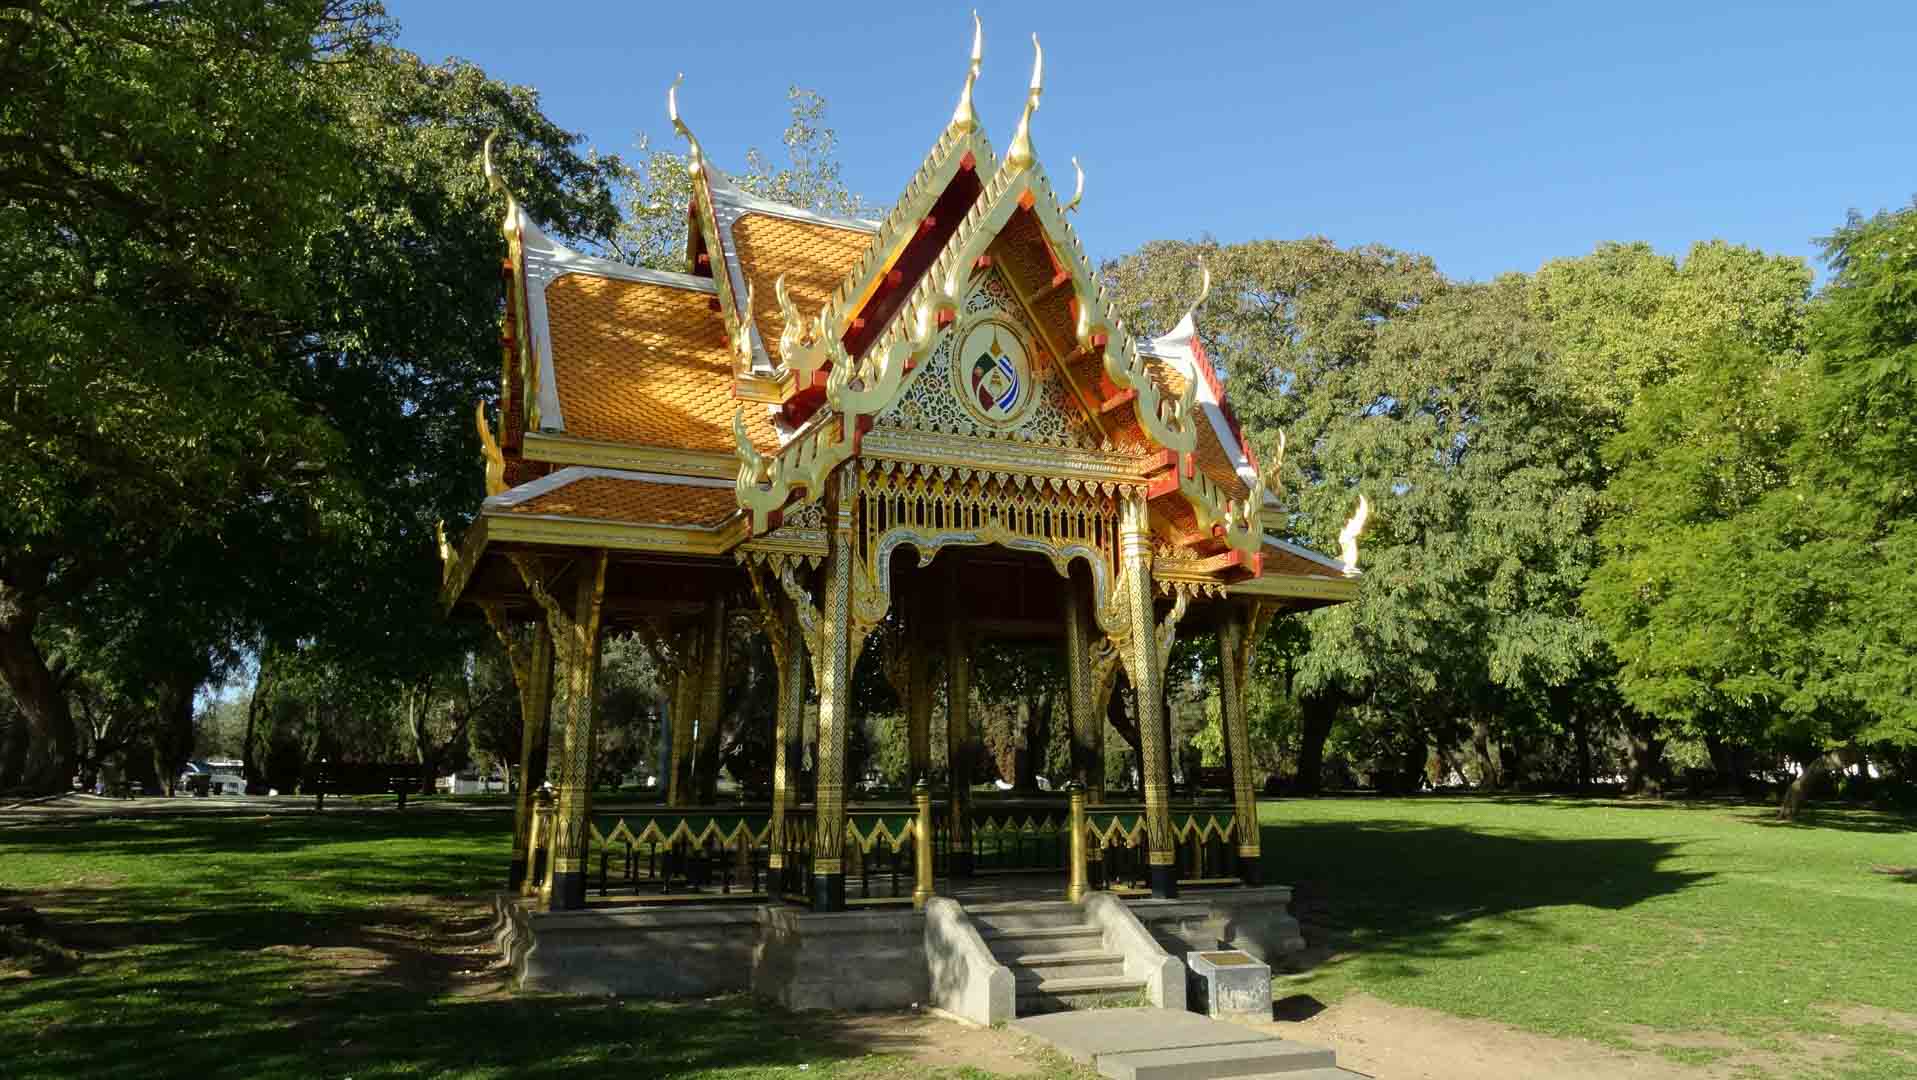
471, 782
214, 776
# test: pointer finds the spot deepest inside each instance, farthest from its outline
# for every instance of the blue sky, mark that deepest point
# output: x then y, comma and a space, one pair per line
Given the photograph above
1491, 137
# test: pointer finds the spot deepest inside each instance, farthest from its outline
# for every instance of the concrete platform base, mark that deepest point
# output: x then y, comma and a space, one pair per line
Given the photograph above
848, 960
870, 958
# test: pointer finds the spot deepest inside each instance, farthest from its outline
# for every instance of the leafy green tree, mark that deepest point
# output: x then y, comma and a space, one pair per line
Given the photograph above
238, 246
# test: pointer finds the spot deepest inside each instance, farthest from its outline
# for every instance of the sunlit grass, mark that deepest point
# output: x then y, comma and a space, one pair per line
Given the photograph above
1614, 920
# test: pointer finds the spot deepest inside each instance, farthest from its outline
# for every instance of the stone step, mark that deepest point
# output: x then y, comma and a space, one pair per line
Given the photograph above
1032, 915
1237, 1060
1331, 1073
1076, 964
1010, 945
1043, 995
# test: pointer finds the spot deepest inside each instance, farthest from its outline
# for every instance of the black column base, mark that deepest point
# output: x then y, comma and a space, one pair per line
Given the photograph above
568, 890
1248, 869
1164, 882
516, 876
828, 892
959, 864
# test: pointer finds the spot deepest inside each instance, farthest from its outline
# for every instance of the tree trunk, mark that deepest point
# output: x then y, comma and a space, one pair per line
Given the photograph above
1647, 759
1815, 769
13, 749
1318, 712
1121, 717
1489, 776
52, 743
255, 707
173, 734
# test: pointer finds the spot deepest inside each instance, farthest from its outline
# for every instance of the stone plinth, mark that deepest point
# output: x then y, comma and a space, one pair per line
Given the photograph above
1256, 919
1228, 984
642, 952
841, 960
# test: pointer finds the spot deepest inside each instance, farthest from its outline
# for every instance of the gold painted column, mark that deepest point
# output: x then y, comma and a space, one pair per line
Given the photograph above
535, 708
918, 695
532, 675
1234, 662
839, 639
960, 750
711, 693
1088, 720
679, 777
781, 615
1144, 665
575, 639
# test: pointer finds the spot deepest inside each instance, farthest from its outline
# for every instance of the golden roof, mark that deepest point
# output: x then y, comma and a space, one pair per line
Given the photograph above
813, 257
645, 364
633, 501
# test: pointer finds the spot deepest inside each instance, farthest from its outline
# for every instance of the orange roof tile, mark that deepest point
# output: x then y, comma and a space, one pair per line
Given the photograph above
639, 502
814, 257
647, 364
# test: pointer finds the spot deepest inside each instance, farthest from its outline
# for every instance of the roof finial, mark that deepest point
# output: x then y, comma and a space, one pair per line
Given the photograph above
1019, 155
1078, 192
696, 162
965, 118
1348, 538
1204, 290
493, 179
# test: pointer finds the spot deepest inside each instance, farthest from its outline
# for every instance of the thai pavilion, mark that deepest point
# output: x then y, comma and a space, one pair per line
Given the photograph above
933, 422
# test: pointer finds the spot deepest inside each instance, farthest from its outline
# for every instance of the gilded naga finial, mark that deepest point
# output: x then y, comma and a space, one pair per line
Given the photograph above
489, 446
1020, 154
1078, 189
965, 118
493, 180
447, 554
1275, 476
742, 337
1204, 292
696, 155
1348, 538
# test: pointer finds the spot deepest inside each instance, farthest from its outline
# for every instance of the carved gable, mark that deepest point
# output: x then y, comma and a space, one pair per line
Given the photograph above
991, 377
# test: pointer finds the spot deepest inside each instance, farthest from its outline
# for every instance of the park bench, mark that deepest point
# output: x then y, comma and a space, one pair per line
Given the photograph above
400, 778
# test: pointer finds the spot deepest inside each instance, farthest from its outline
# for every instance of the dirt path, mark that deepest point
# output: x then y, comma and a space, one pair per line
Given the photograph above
1400, 1042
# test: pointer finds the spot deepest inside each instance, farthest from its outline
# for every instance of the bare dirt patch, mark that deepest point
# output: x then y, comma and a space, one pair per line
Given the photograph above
929, 1039
1408, 1043
1872, 1016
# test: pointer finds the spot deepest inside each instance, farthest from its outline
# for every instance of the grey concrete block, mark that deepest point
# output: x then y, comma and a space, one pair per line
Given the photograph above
1228, 984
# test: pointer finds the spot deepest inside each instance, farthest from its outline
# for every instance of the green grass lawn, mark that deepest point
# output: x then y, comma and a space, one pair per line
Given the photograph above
338, 945
350, 945
1626, 922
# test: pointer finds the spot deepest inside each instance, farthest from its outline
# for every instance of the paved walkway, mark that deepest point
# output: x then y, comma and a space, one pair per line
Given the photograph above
1164, 1044
81, 807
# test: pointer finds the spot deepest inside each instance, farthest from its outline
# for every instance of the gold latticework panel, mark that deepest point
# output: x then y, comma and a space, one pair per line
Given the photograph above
929, 507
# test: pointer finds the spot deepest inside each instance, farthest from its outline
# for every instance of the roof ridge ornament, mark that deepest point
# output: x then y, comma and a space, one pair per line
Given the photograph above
696, 163
1204, 293
494, 180
1078, 190
1348, 537
1019, 156
965, 118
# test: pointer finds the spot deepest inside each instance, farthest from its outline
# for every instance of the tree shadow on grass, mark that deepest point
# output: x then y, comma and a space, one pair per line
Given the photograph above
303, 947
1407, 893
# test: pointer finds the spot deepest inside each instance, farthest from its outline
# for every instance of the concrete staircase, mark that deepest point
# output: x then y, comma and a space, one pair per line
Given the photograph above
1057, 956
